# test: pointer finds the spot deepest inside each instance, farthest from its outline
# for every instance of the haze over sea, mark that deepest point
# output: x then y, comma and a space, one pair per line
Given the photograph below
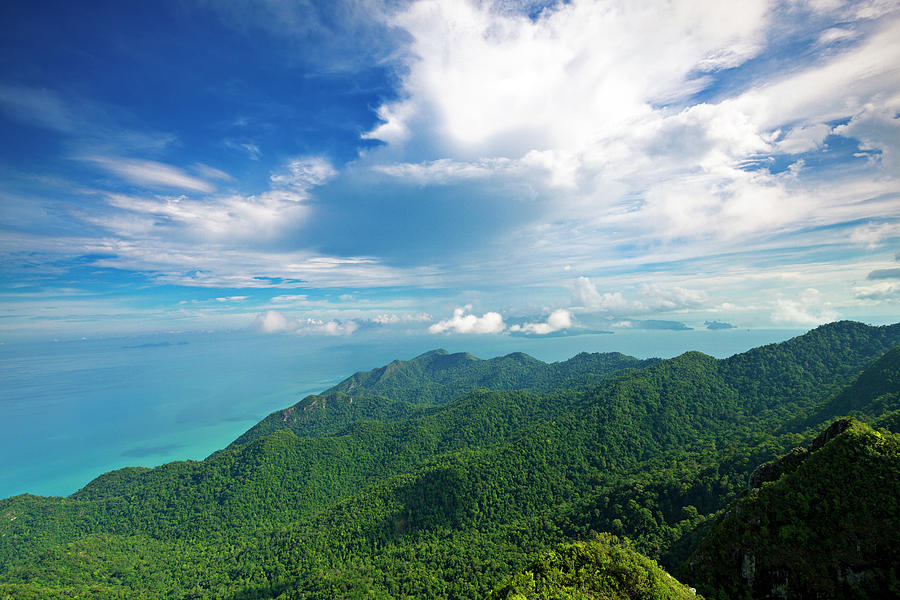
75, 409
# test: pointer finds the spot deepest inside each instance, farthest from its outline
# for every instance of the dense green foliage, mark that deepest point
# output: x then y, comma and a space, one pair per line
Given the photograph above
873, 393
434, 493
822, 525
602, 569
437, 377
397, 390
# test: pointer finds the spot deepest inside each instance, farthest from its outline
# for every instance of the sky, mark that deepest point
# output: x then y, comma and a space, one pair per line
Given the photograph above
452, 167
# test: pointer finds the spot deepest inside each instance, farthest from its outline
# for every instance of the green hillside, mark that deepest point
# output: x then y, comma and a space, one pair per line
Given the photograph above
875, 391
403, 388
448, 497
602, 569
437, 377
819, 523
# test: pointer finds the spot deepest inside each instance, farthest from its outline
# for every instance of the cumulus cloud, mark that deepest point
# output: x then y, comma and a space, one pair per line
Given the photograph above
273, 321
558, 320
887, 290
808, 309
572, 99
477, 73
630, 127
585, 295
332, 327
661, 298
464, 322
654, 298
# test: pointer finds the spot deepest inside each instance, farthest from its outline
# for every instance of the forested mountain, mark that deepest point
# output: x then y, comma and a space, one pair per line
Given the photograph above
871, 396
402, 388
446, 474
601, 568
818, 524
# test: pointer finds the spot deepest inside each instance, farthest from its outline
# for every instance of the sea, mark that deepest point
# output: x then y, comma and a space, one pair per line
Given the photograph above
71, 410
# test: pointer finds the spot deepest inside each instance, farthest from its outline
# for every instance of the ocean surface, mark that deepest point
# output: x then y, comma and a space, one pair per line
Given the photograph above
71, 410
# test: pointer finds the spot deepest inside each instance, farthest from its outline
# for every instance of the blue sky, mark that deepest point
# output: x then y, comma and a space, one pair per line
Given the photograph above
452, 166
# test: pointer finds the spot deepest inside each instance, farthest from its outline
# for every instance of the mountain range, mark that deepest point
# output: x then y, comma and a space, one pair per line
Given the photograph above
447, 476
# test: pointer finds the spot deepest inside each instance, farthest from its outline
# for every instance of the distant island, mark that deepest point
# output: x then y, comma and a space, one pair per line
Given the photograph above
155, 345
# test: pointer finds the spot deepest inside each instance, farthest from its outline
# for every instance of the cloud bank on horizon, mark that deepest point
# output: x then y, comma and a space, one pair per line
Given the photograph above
528, 168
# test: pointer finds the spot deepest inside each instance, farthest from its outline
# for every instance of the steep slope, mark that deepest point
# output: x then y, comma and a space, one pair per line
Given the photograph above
402, 388
328, 414
875, 392
278, 478
602, 569
808, 367
820, 523
437, 377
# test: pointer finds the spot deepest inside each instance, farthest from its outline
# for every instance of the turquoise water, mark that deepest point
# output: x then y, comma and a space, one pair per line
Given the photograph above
72, 410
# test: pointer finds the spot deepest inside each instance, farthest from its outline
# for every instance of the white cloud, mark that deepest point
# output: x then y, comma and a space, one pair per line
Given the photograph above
37, 106
574, 102
273, 321
283, 298
211, 172
877, 128
585, 295
150, 173
252, 150
227, 218
461, 322
558, 320
886, 290
804, 138
332, 327
836, 34
214, 264
808, 309
477, 74
393, 319
871, 236
654, 298
661, 298
233, 219
443, 170
304, 173
589, 110
232, 299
